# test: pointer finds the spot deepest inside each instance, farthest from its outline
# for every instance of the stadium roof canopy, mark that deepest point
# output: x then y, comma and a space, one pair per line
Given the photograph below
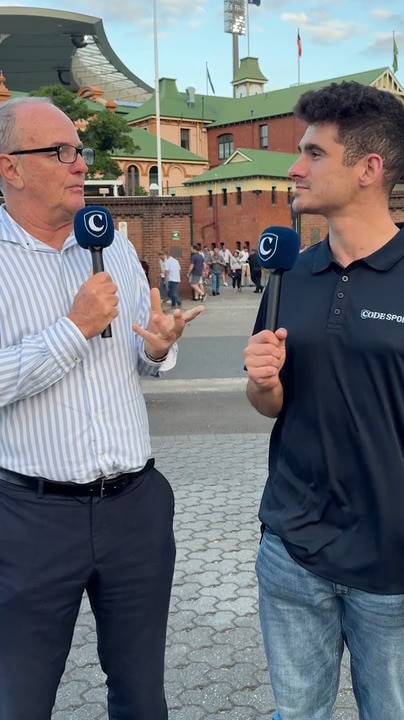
45, 47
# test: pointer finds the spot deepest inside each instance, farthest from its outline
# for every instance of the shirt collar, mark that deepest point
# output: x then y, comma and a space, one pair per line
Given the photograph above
383, 259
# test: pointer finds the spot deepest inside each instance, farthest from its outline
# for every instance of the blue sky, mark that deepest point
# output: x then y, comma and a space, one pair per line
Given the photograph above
339, 37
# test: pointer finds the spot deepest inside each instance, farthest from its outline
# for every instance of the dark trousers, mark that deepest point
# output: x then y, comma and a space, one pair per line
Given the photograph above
121, 550
236, 278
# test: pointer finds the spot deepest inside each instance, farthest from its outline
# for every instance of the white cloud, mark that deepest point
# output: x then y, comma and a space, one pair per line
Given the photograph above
381, 14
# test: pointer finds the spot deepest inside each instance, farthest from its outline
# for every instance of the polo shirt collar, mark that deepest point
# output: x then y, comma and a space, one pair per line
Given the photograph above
382, 259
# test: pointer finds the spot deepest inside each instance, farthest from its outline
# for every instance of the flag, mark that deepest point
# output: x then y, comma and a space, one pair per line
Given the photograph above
395, 55
209, 79
299, 44
254, 2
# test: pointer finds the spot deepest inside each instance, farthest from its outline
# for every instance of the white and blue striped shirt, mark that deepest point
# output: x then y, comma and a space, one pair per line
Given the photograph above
71, 409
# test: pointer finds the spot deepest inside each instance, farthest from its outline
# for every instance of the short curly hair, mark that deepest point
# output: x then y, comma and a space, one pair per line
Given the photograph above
368, 121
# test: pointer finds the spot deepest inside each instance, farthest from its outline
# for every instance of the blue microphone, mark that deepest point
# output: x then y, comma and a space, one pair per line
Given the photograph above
278, 249
94, 231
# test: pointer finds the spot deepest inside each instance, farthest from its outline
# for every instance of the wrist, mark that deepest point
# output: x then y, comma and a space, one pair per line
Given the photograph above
155, 359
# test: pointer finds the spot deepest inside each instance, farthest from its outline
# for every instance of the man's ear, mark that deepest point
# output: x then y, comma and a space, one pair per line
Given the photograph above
372, 169
10, 171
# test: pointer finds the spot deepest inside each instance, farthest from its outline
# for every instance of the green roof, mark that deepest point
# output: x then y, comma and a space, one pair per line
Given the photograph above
282, 102
147, 144
179, 104
244, 163
248, 70
219, 111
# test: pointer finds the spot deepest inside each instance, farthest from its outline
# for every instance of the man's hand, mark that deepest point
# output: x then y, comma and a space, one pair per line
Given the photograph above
264, 358
95, 305
163, 330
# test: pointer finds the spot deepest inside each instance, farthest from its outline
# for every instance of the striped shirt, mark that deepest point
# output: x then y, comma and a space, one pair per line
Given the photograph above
71, 409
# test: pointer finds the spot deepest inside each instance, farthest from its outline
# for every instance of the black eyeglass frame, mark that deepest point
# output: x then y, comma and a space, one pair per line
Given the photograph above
57, 149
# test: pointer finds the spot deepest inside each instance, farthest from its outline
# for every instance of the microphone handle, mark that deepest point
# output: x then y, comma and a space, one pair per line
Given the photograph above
275, 280
98, 266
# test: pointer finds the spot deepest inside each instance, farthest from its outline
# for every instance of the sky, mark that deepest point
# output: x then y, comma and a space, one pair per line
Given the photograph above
339, 37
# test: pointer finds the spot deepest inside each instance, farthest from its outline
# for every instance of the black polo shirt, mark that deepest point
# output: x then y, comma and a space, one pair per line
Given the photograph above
335, 492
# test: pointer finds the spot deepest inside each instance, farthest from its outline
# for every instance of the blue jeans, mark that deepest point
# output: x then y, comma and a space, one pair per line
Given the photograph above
305, 621
215, 282
173, 288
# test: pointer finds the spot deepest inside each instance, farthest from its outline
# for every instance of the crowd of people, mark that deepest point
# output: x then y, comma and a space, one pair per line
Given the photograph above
216, 267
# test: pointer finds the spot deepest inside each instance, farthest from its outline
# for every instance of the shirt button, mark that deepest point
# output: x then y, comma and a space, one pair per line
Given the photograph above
95, 416
337, 311
340, 295
345, 278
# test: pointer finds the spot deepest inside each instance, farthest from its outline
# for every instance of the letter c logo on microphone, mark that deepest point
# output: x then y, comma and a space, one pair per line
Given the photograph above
267, 246
95, 223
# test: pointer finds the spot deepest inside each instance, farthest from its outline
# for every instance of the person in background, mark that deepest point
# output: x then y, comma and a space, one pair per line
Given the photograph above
162, 276
330, 563
82, 507
245, 268
235, 268
216, 265
207, 254
173, 279
146, 268
195, 273
255, 270
225, 254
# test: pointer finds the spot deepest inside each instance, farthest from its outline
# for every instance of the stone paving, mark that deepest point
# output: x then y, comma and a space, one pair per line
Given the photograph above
215, 668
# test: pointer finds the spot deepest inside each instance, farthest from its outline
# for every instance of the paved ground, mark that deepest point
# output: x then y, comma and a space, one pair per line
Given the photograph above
215, 665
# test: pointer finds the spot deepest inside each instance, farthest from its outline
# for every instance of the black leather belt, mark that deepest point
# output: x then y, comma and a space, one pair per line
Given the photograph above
101, 487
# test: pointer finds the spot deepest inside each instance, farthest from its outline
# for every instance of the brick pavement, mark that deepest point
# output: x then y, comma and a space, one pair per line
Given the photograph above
215, 667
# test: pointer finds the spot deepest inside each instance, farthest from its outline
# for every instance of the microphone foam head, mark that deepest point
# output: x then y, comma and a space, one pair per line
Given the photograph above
93, 227
278, 248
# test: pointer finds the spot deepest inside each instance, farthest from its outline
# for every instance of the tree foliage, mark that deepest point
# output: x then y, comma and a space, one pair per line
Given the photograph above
68, 102
106, 132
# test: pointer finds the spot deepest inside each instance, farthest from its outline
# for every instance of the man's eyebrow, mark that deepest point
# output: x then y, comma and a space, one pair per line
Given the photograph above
309, 147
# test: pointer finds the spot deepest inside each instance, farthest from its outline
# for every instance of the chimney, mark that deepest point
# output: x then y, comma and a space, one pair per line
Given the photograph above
191, 96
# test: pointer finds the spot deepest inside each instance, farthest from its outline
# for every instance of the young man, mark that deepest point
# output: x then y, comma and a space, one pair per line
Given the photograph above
82, 507
330, 565
195, 274
173, 279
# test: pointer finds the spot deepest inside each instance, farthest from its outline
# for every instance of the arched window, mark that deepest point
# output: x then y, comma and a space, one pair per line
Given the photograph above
132, 179
225, 146
153, 175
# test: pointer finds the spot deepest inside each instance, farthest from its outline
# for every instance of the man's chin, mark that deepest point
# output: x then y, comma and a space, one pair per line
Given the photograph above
301, 208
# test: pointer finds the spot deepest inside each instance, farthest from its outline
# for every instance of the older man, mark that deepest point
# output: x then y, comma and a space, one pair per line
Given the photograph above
82, 507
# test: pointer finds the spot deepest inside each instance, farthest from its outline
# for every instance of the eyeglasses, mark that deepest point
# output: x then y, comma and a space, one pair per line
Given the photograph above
66, 153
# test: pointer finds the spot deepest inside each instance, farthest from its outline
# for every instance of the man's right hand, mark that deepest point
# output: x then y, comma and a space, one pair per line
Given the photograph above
95, 305
264, 357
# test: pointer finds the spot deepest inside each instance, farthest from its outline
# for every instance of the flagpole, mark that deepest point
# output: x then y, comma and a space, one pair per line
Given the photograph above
248, 28
206, 76
157, 99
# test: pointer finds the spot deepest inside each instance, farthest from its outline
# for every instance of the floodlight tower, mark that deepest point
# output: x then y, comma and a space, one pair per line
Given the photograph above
234, 23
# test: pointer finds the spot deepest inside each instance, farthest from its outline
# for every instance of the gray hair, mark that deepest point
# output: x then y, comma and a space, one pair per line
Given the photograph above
8, 125
7, 119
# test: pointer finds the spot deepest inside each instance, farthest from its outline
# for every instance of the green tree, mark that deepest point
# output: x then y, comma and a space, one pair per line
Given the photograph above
68, 102
107, 132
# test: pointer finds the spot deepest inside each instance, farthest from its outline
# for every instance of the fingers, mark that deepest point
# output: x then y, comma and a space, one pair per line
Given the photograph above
189, 315
155, 301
